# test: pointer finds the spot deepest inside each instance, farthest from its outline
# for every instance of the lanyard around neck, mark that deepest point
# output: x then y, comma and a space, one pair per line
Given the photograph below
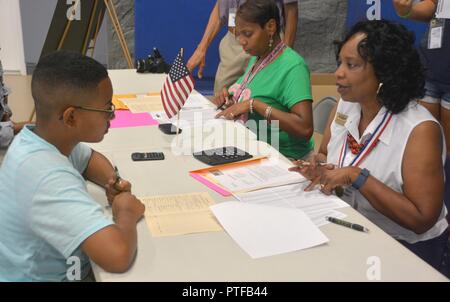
371, 143
275, 53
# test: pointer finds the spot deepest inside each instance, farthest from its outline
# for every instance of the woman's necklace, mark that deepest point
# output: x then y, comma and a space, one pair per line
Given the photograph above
355, 148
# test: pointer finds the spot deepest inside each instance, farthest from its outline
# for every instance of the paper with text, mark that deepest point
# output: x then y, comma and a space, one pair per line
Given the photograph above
171, 215
259, 175
314, 203
143, 103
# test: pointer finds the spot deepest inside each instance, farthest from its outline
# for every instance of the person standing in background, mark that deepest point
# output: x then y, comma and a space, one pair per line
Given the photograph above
7, 127
233, 59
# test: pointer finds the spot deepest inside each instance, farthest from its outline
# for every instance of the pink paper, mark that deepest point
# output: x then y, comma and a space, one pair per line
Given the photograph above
124, 118
210, 184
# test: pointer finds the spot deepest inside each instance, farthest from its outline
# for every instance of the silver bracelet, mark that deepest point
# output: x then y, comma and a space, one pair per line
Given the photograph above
268, 112
251, 105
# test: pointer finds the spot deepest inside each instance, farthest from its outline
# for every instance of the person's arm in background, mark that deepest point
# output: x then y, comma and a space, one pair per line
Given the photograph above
291, 20
422, 11
198, 57
6, 133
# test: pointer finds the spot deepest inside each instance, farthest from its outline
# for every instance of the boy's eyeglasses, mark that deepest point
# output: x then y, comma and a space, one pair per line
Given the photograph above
110, 111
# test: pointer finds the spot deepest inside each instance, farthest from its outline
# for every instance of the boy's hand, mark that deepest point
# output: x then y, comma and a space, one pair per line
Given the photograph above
115, 187
127, 204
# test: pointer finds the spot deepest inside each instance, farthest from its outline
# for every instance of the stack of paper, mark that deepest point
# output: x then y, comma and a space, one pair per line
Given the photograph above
254, 175
315, 204
143, 103
263, 231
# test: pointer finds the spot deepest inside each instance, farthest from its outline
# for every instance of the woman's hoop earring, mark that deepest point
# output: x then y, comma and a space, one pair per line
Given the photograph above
379, 88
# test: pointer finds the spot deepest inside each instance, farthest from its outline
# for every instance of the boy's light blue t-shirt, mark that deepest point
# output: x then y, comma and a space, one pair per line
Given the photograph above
46, 211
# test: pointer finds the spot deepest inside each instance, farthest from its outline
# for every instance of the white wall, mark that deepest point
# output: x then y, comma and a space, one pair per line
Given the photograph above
11, 40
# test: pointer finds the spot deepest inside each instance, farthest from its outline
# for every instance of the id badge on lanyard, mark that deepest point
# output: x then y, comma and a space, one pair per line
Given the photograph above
436, 35
232, 17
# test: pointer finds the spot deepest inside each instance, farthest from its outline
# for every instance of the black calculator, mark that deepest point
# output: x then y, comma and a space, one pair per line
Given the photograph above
141, 156
220, 156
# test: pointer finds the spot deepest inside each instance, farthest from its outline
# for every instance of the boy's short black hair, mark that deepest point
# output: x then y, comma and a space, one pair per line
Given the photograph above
62, 78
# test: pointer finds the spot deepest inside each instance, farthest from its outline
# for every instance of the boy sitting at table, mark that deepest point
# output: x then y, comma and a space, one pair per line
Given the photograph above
49, 224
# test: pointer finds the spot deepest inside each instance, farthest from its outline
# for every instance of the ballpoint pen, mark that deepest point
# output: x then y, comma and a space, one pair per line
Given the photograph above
118, 178
223, 104
347, 224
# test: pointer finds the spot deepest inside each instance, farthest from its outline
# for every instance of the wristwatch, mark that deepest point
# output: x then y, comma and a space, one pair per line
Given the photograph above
361, 179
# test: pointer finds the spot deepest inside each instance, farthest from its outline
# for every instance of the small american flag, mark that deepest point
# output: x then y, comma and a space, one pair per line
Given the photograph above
177, 87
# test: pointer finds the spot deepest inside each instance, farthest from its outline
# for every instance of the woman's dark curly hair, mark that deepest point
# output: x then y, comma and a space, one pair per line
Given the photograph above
389, 47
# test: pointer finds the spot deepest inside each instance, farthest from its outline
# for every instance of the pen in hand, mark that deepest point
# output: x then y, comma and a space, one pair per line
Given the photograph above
118, 178
223, 104
347, 224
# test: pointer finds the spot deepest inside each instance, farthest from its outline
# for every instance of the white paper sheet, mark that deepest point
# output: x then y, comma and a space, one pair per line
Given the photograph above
193, 117
315, 204
190, 117
263, 231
